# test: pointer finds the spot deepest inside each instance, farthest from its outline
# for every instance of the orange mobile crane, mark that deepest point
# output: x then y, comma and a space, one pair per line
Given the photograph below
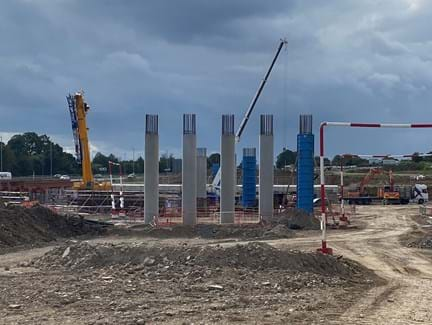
78, 109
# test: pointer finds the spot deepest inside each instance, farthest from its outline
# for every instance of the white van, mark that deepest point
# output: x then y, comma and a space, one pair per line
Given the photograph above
5, 175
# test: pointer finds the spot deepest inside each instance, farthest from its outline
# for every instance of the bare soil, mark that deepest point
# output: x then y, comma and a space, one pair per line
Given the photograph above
421, 234
208, 231
121, 279
100, 283
38, 225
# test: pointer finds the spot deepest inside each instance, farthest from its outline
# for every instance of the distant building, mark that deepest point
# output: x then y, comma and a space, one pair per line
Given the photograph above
390, 162
375, 161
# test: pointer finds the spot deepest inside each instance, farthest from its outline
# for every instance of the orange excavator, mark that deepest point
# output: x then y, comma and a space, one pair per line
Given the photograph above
386, 193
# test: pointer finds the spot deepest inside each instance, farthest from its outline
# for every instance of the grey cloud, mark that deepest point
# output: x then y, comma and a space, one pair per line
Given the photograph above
346, 60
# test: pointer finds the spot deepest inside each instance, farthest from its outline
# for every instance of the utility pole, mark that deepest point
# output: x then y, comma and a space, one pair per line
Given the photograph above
51, 159
1, 153
133, 161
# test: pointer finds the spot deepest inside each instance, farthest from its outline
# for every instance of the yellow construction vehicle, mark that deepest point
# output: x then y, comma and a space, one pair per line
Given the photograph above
78, 109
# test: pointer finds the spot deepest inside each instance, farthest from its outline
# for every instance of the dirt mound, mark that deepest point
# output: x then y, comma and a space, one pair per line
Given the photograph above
420, 240
159, 283
420, 236
254, 256
21, 226
211, 231
296, 219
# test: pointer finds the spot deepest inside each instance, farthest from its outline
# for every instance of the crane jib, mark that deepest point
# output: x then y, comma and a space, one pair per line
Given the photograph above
260, 89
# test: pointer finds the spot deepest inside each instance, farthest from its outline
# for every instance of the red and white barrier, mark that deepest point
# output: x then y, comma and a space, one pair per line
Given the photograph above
114, 211
324, 249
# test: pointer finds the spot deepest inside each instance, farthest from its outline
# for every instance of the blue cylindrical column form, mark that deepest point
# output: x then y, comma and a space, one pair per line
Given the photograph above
249, 177
305, 165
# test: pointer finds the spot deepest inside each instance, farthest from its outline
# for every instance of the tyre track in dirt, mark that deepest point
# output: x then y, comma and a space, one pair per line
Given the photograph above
405, 299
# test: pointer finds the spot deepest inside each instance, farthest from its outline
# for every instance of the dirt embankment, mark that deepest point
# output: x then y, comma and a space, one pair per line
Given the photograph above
254, 255
209, 231
20, 226
183, 284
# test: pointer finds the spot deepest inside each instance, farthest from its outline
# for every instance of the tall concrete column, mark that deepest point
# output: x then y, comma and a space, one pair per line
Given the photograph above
266, 167
228, 170
202, 176
189, 170
151, 169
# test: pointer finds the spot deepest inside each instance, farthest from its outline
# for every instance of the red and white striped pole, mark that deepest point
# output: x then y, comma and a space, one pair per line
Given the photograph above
343, 220
113, 204
114, 211
324, 249
122, 210
383, 156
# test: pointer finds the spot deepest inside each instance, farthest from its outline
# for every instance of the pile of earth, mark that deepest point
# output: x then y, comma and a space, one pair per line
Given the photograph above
422, 241
421, 235
295, 219
23, 226
255, 256
162, 283
210, 231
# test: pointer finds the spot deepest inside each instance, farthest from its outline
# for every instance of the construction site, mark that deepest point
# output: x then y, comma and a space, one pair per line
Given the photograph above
238, 241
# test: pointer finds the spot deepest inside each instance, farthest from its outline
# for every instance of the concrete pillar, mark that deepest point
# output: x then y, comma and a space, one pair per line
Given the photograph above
266, 167
189, 170
228, 170
151, 169
201, 176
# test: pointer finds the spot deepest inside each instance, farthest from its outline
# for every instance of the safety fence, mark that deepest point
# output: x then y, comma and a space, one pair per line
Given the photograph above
336, 215
425, 210
211, 215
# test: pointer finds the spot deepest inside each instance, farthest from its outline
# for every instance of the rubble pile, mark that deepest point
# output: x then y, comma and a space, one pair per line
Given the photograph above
22, 226
255, 256
151, 283
212, 231
295, 219
424, 241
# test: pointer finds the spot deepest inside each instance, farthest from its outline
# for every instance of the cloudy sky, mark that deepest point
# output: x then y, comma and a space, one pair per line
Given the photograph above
347, 60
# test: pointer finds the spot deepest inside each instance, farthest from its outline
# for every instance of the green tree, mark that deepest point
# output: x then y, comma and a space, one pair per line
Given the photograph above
166, 163
214, 158
286, 157
30, 153
416, 157
327, 161
350, 161
139, 166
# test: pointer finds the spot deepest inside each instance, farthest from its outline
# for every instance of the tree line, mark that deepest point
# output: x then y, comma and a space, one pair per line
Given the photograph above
32, 154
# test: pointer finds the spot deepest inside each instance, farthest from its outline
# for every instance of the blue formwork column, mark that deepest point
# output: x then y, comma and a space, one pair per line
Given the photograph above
305, 165
249, 177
